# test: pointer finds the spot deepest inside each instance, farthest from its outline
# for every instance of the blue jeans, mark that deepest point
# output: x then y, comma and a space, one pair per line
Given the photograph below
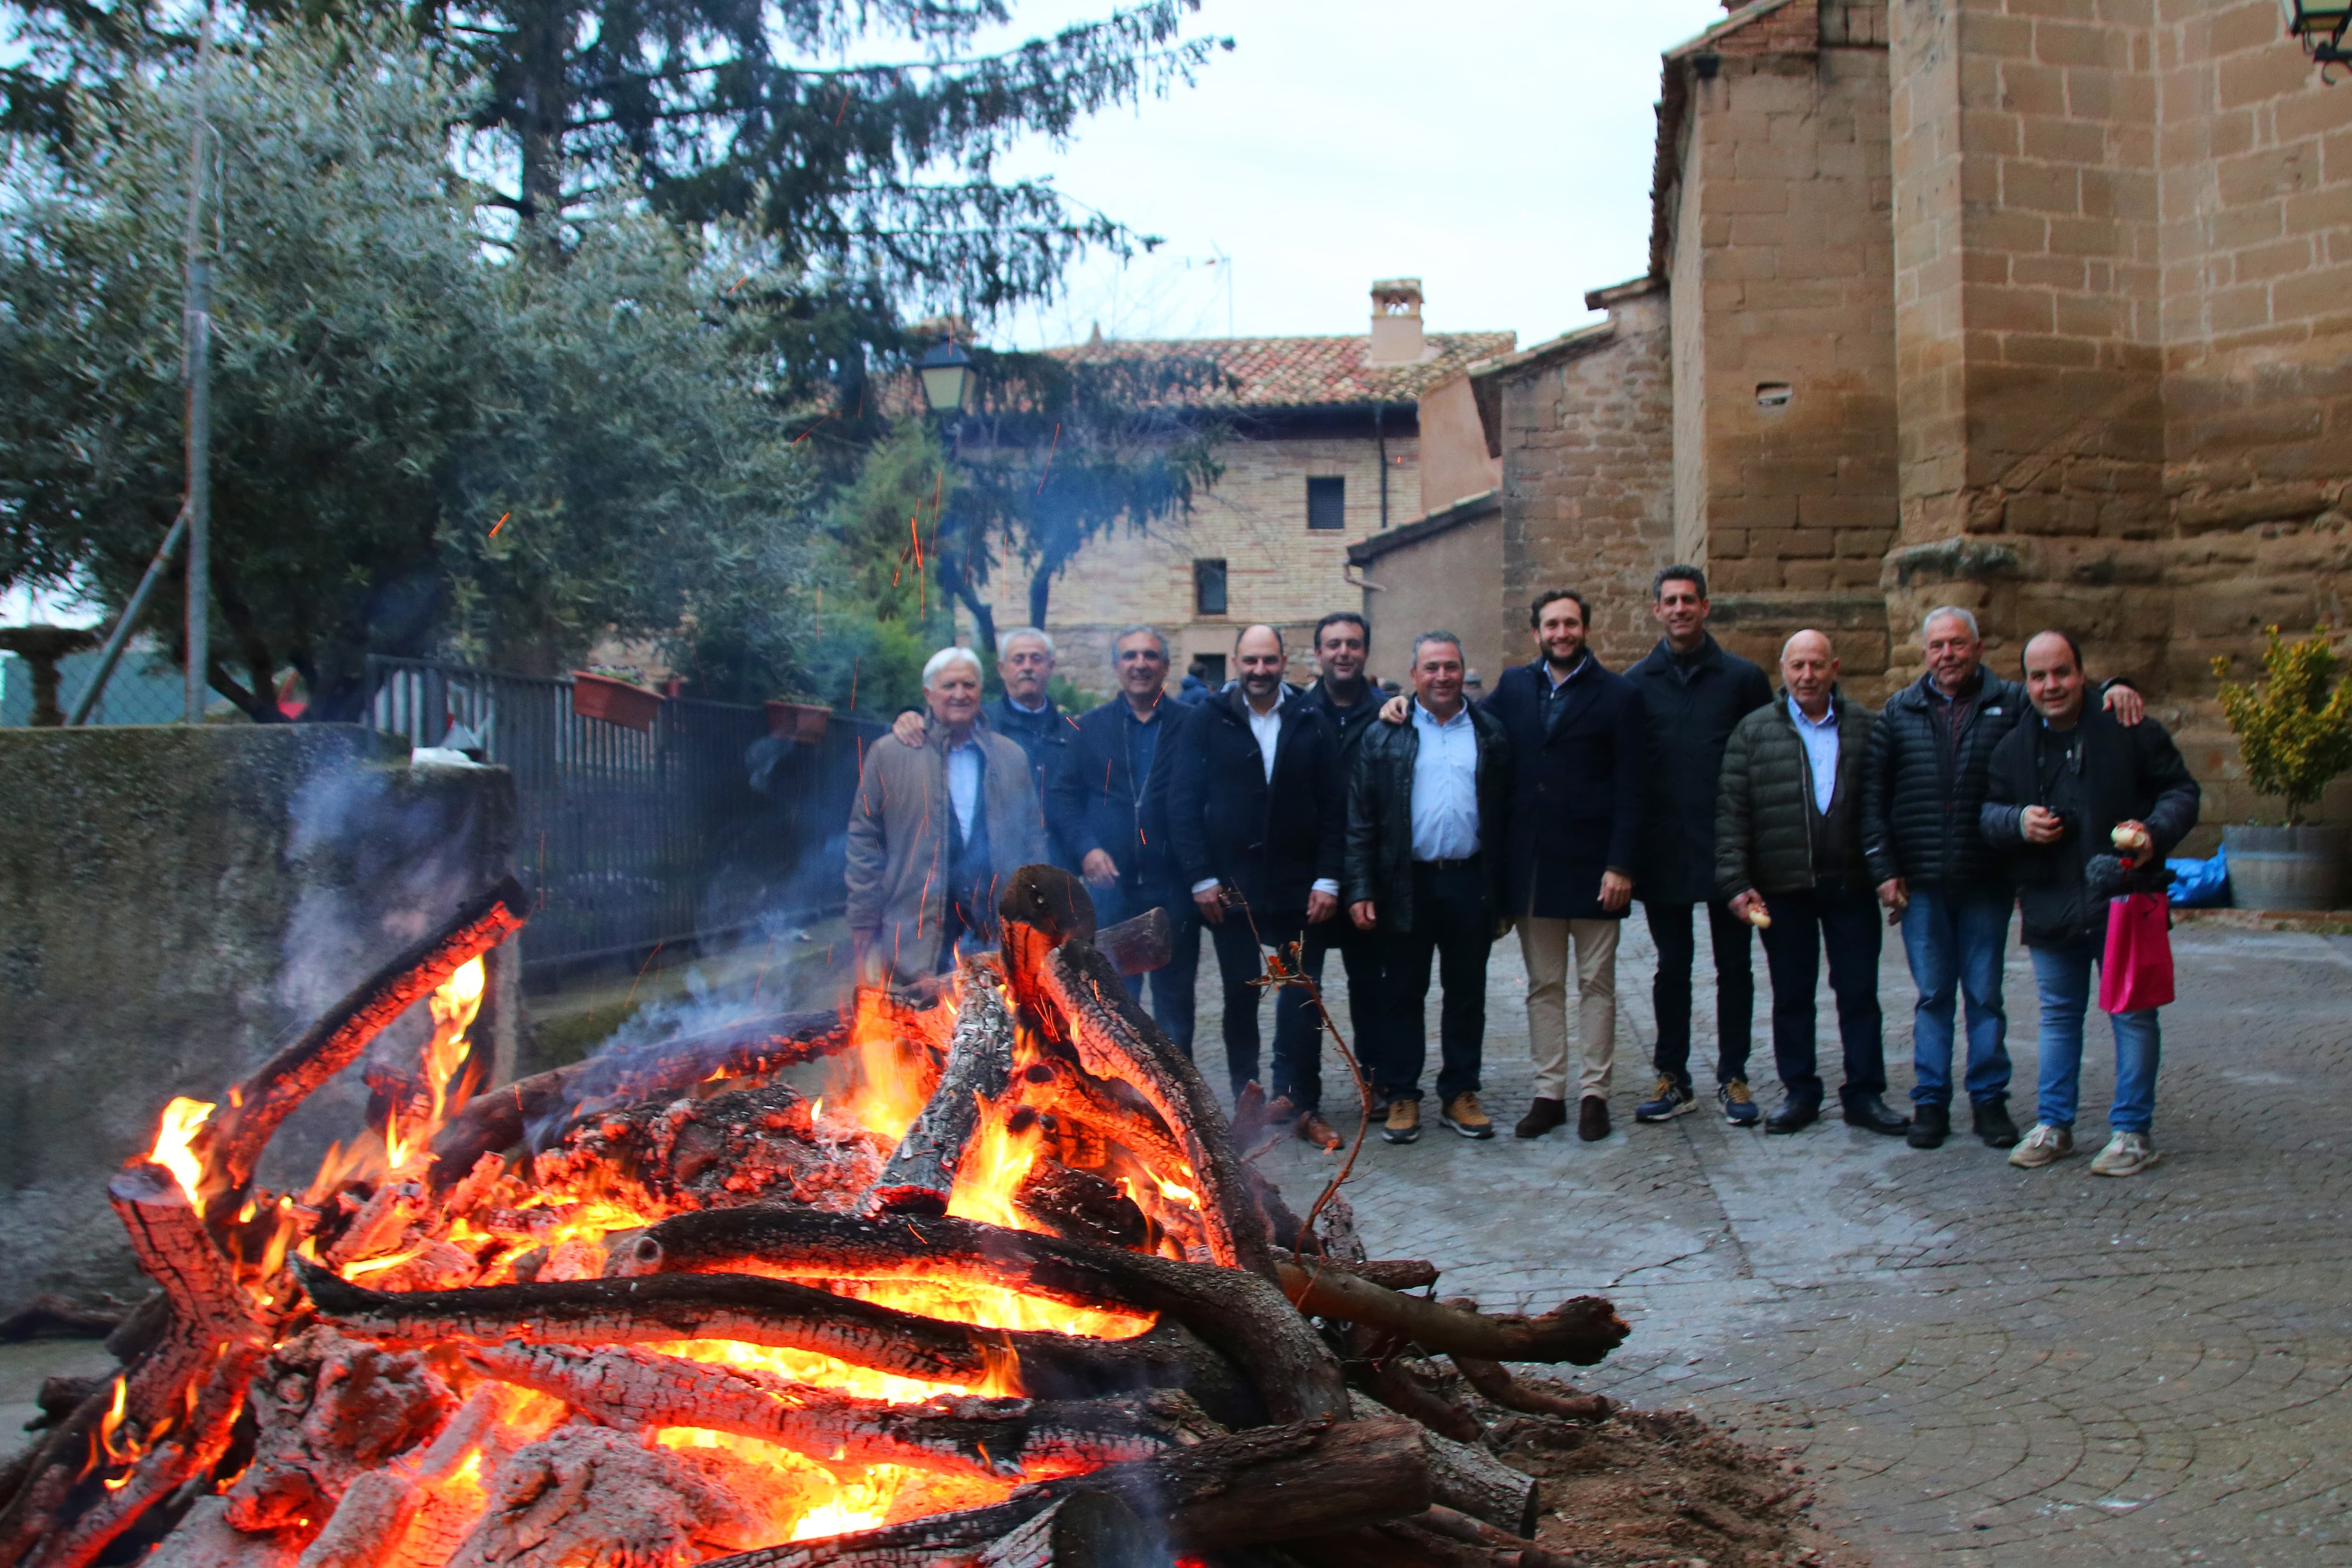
2062, 975
1953, 938
1172, 983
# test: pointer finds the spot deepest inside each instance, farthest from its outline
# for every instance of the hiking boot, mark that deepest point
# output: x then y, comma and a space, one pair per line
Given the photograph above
2045, 1145
1461, 1114
2127, 1154
1592, 1119
1313, 1129
1930, 1125
1993, 1124
1671, 1101
1739, 1107
1541, 1118
1794, 1116
1404, 1122
1873, 1114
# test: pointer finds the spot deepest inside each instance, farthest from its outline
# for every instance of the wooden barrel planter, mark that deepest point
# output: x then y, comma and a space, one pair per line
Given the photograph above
2286, 868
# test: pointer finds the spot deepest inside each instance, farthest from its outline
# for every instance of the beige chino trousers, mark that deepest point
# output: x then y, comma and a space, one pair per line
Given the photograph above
1544, 948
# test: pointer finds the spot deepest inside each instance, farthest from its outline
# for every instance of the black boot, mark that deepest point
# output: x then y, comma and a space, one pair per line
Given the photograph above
1873, 1114
1930, 1125
1994, 1126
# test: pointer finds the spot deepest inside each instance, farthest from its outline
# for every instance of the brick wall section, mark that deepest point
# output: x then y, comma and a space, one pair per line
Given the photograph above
1588, 464
1254, 520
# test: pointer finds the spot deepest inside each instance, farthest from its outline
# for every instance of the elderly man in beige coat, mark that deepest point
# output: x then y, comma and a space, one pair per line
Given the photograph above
935, 831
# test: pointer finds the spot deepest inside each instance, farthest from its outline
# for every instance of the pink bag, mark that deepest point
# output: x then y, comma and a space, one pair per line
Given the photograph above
2137, 971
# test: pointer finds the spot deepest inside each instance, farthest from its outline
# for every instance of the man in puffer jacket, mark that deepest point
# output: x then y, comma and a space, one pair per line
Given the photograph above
1923, 785
2059, 787
1787, 827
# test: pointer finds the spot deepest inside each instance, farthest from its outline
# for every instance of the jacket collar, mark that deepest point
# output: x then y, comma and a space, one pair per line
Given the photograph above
1839, 705
935, 734
1236, 706
1709, 656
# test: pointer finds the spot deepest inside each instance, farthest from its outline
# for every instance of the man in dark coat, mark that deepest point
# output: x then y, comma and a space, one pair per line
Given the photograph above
1923, 785
2072, 795
1255, 821
1427, 806
1789, 829
1694, 692
1350, 703
1108, 802
1581, 747
1023, 713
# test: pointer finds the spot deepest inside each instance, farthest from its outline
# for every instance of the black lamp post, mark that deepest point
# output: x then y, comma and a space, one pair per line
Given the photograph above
2318, 25
946, 372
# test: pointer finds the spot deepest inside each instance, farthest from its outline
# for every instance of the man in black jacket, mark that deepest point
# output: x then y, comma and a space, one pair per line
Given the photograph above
1023, 713
1108, 802
1580, 749
1923, 785
1350, 703
2071, 794
1787, 827
1427, 809
1255, 821
1694, 692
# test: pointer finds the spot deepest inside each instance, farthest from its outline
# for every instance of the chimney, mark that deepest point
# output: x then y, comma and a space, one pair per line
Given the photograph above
1396, 322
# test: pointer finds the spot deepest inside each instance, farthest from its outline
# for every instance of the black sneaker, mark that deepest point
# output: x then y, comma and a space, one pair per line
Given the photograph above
1671, 1101
1994, 1126
1930, 1125
1794, 1116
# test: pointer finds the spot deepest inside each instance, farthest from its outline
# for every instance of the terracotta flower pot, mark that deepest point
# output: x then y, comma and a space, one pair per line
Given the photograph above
614, 702
798, 720
2285, 867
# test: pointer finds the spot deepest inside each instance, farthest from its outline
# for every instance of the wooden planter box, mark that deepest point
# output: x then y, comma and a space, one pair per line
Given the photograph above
798, 720
614, 702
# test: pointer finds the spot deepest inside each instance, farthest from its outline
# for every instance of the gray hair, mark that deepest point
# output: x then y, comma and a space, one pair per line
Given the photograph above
1434, 637
1124, 633
948, 656
1005, 641
1966, 617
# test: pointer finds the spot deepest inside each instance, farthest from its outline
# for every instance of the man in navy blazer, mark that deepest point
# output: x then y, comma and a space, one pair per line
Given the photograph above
1580, 744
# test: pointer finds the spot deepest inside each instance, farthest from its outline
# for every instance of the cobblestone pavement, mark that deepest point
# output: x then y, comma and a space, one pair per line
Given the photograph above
1984, 1366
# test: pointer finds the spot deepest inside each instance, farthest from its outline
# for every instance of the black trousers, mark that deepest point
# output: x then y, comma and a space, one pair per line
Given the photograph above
1845, 921
1449, 923
1670, 993
1240, 960
1360, 954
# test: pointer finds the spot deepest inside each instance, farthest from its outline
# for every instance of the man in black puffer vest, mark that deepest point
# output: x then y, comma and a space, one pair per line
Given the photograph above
1789, 828
1923, 787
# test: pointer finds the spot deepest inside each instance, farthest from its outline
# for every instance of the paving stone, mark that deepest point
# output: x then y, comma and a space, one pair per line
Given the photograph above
1983, 1365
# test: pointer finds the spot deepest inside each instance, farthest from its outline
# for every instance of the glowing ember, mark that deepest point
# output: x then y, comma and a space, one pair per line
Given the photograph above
182, 1118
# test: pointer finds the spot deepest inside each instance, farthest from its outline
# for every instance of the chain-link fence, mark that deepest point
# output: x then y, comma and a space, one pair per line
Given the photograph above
145, 689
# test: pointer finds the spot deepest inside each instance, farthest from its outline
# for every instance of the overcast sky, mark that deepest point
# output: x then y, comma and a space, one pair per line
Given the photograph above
1497, 150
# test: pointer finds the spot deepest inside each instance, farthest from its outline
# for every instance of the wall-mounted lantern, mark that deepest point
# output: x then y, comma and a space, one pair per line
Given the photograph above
2319, 25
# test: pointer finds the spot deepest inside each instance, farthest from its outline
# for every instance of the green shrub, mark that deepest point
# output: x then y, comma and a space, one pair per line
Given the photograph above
2296, 733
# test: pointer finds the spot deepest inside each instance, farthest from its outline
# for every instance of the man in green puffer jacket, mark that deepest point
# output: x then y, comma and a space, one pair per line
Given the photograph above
1788, 826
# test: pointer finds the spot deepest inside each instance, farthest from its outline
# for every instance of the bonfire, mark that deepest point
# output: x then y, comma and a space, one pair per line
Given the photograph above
1006, 1292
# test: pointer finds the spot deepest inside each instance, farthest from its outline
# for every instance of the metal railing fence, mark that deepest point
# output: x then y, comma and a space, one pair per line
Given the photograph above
700, 826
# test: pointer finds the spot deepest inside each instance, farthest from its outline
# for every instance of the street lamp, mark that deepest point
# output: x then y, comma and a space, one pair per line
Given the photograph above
946, 377
2318, 25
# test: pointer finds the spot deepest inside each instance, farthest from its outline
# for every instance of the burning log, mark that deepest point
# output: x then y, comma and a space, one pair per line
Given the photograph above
922, 1173
953, 1435
587, 1497
328, 1411
1581, 1330
1116, 1039
232, 1141
739, 1146
499, 1120
1086, 1529
775, 1313
1293, 1371
1079, 1207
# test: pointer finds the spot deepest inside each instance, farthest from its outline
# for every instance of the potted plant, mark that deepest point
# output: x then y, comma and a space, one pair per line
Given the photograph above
797, 718
2294, 734
601, 697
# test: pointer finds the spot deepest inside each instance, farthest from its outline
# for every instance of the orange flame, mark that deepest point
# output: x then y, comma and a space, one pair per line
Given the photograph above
183, 1120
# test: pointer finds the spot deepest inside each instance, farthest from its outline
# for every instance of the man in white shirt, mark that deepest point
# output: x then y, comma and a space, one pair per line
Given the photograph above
1254, 824
1425, 822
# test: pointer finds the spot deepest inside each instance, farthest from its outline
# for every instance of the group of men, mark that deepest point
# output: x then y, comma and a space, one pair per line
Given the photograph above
1409, 832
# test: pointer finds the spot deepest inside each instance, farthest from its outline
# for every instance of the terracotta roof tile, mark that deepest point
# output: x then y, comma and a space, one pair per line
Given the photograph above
1302, 373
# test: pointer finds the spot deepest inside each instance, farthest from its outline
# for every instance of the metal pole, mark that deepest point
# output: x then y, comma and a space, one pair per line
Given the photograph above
197, 328
128, 621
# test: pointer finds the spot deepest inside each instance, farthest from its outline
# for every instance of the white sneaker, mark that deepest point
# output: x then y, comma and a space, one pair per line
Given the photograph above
2043, 1146
2127, 1154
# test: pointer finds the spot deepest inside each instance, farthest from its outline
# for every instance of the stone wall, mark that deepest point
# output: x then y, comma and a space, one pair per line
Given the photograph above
174, 904
1439, 575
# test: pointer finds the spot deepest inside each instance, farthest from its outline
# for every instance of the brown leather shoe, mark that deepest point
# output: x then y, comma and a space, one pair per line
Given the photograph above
1592, 1119
1541, 1118
1313, 1129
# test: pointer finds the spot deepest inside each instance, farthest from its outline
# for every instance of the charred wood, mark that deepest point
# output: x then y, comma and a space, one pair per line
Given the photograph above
587, 1497
1465, 1476
922, 1173
1532, 1396
1373, 1370
1078, 1205
328, 1411
1581, 1330
1085, 1530
56, 1317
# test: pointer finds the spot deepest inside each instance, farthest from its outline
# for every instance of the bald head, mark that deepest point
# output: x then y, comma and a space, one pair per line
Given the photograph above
1258, 653
1808, 669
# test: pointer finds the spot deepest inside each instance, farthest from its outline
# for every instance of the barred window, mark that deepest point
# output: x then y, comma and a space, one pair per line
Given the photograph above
1327, 503
1208, 587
